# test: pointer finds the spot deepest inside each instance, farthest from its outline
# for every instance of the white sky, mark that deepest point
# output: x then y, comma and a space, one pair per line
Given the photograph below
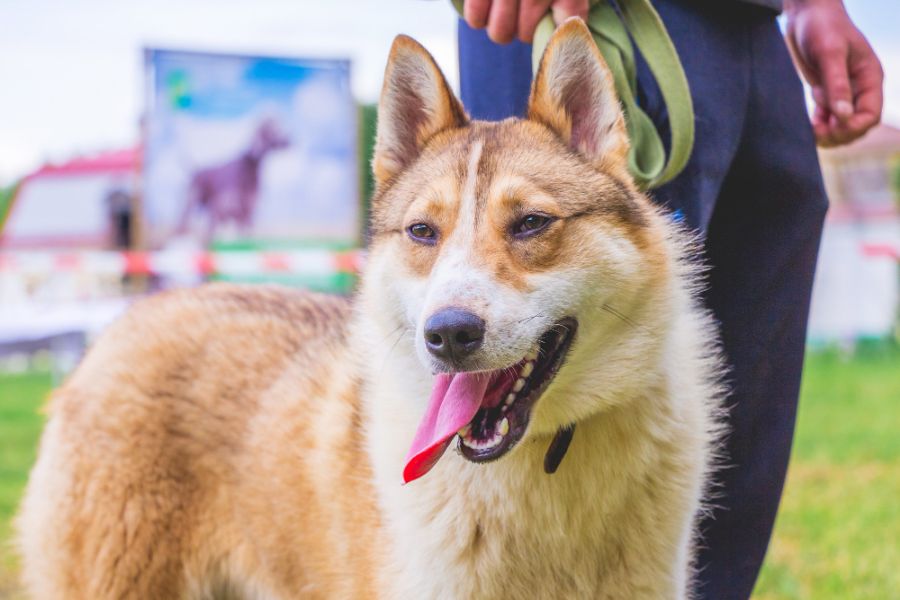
71, 79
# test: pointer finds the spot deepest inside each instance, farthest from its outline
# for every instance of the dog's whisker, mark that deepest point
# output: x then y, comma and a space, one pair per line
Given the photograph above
531, 318
609, 309
393, 331
403, 330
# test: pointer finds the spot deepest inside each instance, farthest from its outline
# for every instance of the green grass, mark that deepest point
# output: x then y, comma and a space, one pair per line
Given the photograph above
21, 397
836, 535
837, 532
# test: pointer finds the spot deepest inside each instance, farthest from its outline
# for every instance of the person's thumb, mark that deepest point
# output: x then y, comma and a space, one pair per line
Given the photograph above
835, 80
563, 9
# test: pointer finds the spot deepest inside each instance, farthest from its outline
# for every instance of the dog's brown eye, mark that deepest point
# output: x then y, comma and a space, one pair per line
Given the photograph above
531, 224
421, 232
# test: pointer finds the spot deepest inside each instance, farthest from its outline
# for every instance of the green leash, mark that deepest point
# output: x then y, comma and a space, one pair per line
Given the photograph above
613, 32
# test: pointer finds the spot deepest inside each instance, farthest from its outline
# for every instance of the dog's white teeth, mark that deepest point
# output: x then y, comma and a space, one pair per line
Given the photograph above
527, 369
465, 431
483, 444
520, 383
510, 398
503, 429
532, 355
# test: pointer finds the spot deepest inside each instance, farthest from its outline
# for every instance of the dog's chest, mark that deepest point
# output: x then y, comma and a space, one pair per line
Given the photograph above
512, 540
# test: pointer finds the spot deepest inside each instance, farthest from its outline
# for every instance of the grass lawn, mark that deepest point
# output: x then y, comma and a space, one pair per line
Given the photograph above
21, 397
837, 533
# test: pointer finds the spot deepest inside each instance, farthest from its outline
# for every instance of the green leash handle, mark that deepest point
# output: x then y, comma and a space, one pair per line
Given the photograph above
613, 32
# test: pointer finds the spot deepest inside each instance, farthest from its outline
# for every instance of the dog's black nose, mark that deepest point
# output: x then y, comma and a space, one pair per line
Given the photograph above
453, 333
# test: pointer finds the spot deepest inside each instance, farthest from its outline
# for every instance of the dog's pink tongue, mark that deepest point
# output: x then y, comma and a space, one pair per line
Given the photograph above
455, 398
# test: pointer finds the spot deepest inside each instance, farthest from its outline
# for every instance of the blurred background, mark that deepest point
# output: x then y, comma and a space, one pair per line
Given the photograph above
147, 145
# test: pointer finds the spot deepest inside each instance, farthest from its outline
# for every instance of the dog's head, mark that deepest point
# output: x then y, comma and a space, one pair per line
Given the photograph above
268, 137
511, 250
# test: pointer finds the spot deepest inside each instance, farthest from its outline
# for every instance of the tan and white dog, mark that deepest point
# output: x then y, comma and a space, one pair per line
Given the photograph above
254, 441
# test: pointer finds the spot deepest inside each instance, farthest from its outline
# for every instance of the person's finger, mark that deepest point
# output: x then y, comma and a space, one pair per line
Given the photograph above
860, 123
821, 129
820, 118
844, 132
835, 78
838, 136
821, 102
867, 79
530, 14
820, 114
837, 133
823, 136
503, 20
475, 12
869, 102
563, 9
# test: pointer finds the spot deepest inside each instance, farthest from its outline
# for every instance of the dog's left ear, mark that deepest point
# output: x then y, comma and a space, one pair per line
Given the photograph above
573, 94
416, 103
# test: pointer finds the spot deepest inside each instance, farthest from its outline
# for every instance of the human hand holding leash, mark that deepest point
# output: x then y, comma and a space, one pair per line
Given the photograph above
839, 64
832, 54
507, 19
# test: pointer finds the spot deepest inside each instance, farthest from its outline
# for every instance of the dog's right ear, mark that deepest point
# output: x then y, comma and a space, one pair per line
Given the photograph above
416, 103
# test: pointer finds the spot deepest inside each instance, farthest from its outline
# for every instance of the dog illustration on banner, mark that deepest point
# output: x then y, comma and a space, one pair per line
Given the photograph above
520, 402
228, 193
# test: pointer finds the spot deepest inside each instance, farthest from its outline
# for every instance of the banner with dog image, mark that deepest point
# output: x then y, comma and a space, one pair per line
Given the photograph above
249, 149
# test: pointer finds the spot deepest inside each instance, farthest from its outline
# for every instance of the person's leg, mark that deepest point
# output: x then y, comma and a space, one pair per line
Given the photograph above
753, 182
713, 47
753, 188
494, 80
762, 244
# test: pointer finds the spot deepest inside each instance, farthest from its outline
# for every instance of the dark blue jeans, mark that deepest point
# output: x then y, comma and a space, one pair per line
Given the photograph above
754, 190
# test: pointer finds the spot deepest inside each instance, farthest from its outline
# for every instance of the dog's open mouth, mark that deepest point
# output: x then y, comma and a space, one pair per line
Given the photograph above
489, 410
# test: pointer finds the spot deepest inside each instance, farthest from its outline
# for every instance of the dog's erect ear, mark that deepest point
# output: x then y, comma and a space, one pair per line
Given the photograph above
573, 94
416, 103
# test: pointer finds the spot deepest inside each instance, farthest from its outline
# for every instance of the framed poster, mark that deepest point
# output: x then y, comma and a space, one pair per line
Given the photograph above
249, 151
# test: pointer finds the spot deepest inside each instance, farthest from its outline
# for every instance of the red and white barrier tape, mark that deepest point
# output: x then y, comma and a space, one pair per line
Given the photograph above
886, 250
181, 263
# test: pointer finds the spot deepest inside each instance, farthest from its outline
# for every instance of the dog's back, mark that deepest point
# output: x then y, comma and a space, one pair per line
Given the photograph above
148, 479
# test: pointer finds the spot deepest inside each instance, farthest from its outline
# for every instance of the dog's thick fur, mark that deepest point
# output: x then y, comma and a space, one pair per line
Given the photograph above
249, 442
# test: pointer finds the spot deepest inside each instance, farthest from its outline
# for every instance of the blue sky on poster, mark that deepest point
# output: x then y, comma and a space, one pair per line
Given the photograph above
222, 88
71, 75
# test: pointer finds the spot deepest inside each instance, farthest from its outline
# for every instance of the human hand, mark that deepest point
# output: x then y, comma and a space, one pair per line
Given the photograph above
507, 19
839, 64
